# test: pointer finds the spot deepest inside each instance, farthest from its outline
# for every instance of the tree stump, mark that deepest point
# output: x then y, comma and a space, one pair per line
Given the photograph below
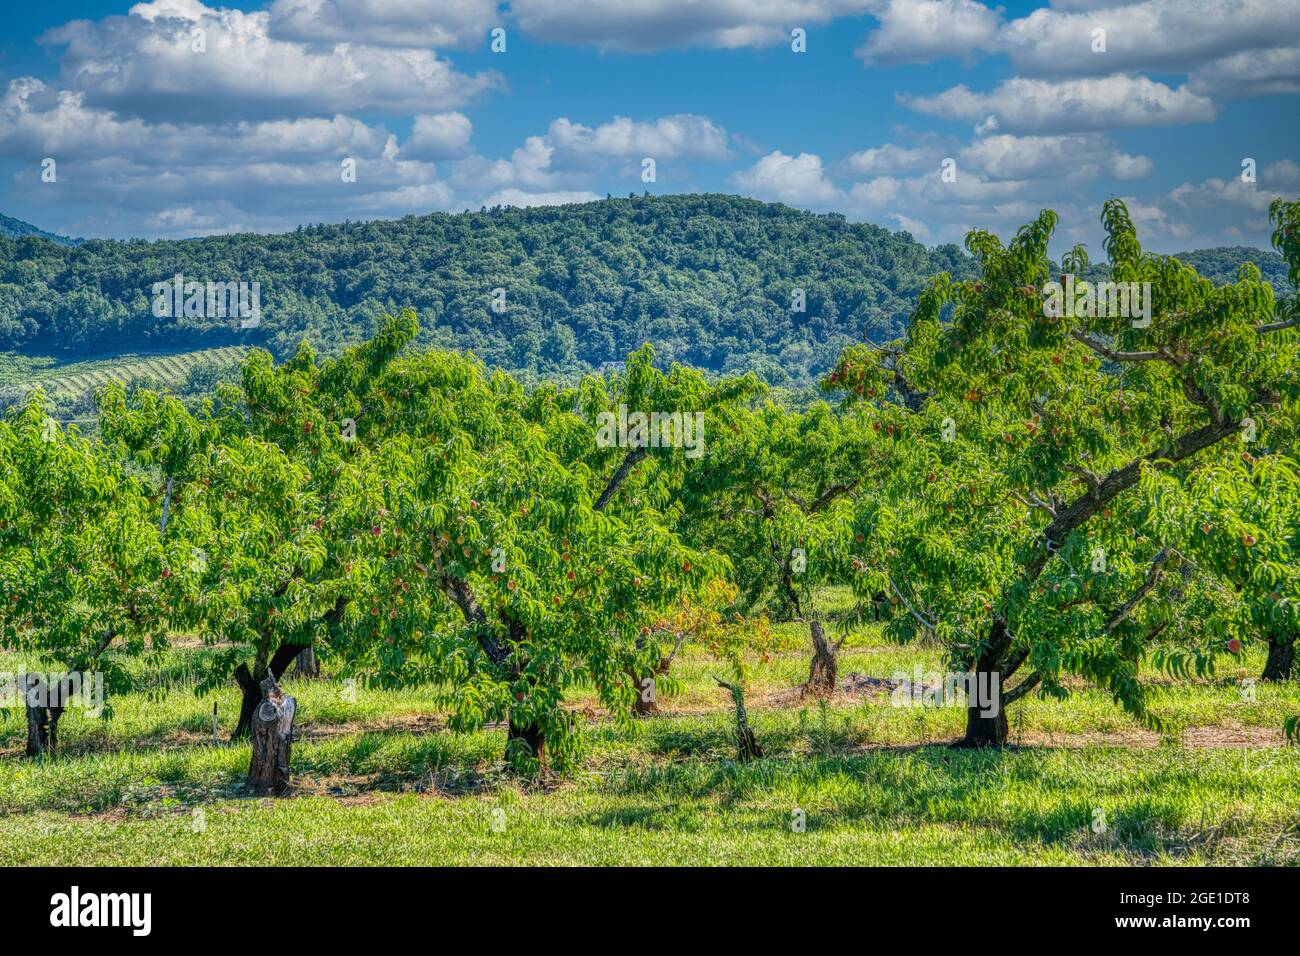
272, 731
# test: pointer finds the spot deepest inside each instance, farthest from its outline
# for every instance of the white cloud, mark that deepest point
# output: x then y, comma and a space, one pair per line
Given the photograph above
145, 64
670, 137
914, 226
36, 121
657, 24
1020, 105
413, 23
1257, 73
1174, 36
569, 153
1124, 166
797, 180
918, 31
1003, 156
438, 136
891, 158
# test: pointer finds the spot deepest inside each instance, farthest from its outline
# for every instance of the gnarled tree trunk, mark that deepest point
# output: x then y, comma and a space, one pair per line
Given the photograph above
825, 663
1281, 657
250, 684
646, 702
984, 729
268, 772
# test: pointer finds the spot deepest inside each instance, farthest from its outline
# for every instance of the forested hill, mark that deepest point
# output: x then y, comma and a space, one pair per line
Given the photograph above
15, 228
1220, 265
707, 278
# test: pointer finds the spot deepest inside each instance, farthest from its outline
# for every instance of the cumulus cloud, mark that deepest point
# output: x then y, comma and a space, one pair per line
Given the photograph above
38, 122
438, 136
1166, 36
1257, 73
643, 25
1173, 36
918, 31
1021, 105
797, 180
670, 137
153, 64
1003, 156
569, 153
414, 23
891, 158
125, 176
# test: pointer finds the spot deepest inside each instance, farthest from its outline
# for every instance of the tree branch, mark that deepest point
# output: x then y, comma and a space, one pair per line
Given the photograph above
929, 627
830, 494
1021, 689
1101, 348
1149, 582
1121, 479
1277, 326
634, 455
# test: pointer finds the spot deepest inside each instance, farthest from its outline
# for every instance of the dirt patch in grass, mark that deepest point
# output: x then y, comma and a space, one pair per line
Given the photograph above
1193, 738
855, 687
386, 724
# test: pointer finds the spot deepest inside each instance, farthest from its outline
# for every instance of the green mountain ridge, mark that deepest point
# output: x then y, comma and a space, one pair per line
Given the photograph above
711, 280
15, 229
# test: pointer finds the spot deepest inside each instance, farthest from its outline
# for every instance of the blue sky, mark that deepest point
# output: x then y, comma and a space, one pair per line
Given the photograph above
177, 117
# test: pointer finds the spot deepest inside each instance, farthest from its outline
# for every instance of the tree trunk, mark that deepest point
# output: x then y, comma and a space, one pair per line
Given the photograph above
747, 747
879, 601
822, 671
43, 730
305, 664
268, 772
983, 730
1281, 657
251, 683
525, 740
44, 708
645, 703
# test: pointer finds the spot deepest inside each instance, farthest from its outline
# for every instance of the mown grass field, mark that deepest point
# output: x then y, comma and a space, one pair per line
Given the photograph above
379, 780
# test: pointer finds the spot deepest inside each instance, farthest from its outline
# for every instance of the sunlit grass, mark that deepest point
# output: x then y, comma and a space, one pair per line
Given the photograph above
379, 778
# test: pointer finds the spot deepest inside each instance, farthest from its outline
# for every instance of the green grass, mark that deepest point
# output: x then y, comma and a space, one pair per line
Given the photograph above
379, 780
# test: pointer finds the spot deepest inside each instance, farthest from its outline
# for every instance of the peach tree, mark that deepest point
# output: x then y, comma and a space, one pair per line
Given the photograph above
253, 482
1012, 528
83, 578
512, 556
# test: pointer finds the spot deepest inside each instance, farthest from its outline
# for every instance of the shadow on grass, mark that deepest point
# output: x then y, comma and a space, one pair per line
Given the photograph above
1089, 802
